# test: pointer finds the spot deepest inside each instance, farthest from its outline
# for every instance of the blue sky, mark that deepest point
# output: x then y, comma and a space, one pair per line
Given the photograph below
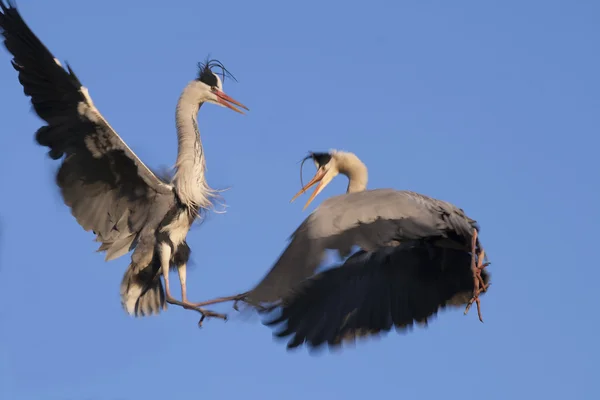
490, 105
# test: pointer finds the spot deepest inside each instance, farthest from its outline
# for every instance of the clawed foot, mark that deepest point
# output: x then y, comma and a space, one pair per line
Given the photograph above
479, 284
208, 314
205, 313
190, 306
235, 303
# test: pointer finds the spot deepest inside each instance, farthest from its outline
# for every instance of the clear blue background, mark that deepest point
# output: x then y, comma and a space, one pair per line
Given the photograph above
490, 105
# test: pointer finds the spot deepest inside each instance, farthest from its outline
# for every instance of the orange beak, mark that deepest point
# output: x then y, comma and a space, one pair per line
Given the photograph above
225, 100
318, 178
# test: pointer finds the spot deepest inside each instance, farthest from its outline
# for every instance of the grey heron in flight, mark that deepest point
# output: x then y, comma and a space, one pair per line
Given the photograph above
109, 189
418, 255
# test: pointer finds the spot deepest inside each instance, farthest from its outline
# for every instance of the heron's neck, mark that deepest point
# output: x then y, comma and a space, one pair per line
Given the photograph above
356, 171
189, 181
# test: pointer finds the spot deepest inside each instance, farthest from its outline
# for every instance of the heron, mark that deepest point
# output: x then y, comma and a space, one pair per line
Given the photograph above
109, 190
418, 254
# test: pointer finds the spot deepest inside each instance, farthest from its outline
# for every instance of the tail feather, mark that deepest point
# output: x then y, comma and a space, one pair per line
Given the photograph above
142, 294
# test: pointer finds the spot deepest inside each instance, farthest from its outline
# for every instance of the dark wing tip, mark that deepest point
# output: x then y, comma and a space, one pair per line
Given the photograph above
8, 5
367, 297
54, 90
9, 15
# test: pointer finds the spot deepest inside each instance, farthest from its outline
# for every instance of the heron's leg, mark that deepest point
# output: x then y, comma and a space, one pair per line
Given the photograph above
480, 266
478, 283
165, 262
476, 277
182, 271
165, 258
236, 298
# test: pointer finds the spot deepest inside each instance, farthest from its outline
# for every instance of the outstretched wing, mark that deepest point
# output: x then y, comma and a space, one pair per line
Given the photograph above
109, 189
373, 292
370, 219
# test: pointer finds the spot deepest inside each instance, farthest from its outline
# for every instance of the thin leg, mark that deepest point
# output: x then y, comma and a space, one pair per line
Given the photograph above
480, 266
165, 260
182, 271
479, 284
165, 257
236, 298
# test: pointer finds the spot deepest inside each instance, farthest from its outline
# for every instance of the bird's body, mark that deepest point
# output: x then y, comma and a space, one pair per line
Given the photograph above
368, 219
109, 189
416, 251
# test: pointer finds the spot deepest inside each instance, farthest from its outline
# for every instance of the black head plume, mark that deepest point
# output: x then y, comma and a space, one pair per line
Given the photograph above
320, 158
206, 74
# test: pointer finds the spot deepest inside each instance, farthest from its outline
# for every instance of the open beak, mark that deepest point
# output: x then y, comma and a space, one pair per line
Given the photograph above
323, 177
225, 100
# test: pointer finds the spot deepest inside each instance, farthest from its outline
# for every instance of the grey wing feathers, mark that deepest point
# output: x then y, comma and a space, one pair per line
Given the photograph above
109, 190
420, 215
374, 292
370, 220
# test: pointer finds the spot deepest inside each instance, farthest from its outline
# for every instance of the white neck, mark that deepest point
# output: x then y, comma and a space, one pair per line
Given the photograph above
350, 165
189, 181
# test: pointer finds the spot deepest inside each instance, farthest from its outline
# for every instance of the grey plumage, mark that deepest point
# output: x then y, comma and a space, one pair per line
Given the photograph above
368, 219
415, 258
109, 189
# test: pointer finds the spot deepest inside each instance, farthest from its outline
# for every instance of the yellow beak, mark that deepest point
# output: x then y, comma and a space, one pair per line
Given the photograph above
323, 177
228, 101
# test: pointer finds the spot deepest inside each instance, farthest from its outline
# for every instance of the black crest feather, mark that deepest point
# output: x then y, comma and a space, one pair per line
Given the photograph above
320, 158
207, 75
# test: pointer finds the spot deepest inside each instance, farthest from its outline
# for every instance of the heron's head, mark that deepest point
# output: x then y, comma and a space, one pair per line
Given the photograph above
210, 87
329, 165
